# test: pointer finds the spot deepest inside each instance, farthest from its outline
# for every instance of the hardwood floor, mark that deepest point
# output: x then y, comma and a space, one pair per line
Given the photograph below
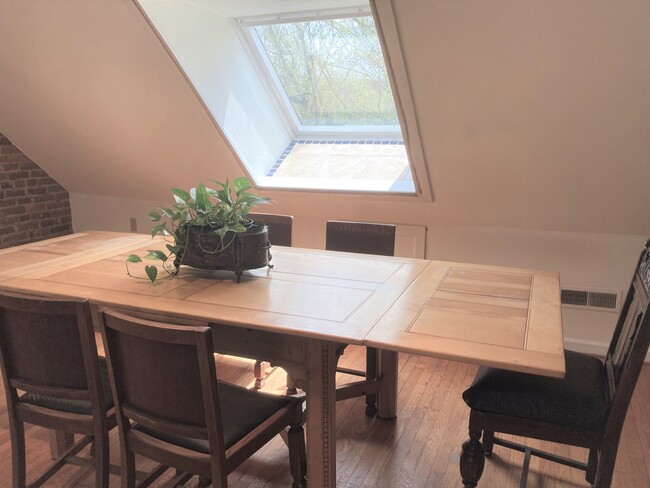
418, 449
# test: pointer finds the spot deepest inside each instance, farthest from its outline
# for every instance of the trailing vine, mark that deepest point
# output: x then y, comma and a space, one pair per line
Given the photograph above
219, 211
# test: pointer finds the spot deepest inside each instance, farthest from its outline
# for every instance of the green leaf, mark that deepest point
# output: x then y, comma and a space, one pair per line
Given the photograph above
237, 228
182, 195
168, 212
152, 272
225, 193
251, 200
174, 249
201, 198
221, 232
134, 258
241, 184
155, 216
158, 229
222, 185
155, 254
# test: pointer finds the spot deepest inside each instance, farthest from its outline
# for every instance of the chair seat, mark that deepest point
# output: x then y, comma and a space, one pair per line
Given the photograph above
244, 409
579, 400
73, 406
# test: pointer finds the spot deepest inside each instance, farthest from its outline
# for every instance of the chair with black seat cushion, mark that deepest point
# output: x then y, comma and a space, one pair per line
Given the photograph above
171, 408
364, 238
586, 408
280, 229
48, 351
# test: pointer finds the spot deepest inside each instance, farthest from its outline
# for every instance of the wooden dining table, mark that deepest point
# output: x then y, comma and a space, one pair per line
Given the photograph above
298, 313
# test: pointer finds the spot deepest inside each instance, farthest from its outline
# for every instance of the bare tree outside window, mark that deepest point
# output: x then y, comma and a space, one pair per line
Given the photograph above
332, 71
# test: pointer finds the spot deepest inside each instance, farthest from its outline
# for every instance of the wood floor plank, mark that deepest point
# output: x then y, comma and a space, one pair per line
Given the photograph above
418, 449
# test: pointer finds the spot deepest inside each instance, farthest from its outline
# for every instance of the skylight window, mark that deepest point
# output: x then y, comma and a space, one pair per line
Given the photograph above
304, 98
331, 72
328, 77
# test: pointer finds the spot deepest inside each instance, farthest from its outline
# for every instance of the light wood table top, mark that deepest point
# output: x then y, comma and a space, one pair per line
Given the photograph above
504, 317
300, 311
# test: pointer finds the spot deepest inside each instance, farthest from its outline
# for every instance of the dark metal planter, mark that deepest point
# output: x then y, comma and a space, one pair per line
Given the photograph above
237, 252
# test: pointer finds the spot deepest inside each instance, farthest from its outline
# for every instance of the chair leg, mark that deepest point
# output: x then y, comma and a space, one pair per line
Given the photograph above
592, 466
17, 433
101, 456
297, 456
260, 373
371, 374
128, 467
605, 467
472, 460
488, 442
291, 387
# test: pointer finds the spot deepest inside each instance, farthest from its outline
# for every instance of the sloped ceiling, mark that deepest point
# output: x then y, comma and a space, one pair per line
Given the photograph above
533, 114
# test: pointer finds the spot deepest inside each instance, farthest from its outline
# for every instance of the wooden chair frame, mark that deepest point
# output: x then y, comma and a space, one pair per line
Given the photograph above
217, 465
623, 363
365, 238
280, 229
360, 237
72, 319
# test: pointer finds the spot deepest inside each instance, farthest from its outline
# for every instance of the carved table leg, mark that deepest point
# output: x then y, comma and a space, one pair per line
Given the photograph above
472, 460
372, 368
387, 398
321, 413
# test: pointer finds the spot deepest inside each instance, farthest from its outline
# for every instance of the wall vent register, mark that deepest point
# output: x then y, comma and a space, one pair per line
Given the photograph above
605, 300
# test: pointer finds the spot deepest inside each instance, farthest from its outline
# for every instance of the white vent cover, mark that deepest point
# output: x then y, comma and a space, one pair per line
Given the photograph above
603, 300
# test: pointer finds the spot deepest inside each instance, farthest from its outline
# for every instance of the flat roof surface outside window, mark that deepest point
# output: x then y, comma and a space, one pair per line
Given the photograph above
329, 77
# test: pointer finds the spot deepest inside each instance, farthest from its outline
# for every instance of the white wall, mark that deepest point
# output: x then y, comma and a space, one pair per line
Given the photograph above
213, 57
534, 118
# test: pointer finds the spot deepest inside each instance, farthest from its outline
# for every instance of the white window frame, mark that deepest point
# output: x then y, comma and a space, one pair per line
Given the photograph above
255, 48
391, 43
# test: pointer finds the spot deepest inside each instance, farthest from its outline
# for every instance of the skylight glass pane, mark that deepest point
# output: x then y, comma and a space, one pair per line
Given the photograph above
332, 71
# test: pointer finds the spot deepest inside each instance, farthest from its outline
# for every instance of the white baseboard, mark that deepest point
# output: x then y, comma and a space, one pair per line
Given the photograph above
590, 347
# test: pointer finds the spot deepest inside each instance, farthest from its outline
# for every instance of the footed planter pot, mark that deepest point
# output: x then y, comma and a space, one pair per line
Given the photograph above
236, 252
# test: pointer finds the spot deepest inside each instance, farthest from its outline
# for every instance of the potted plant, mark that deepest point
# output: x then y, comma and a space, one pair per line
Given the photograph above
208, 229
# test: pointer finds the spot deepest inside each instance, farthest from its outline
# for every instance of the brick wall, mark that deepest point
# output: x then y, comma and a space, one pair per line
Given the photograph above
32, 205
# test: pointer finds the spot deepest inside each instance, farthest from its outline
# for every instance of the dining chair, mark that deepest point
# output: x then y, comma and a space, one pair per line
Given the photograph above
48, 351
365, 238
171, 408
586, 408
280, 228
360, 237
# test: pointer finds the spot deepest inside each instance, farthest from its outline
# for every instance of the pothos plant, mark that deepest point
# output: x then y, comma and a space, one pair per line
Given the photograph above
222, 211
